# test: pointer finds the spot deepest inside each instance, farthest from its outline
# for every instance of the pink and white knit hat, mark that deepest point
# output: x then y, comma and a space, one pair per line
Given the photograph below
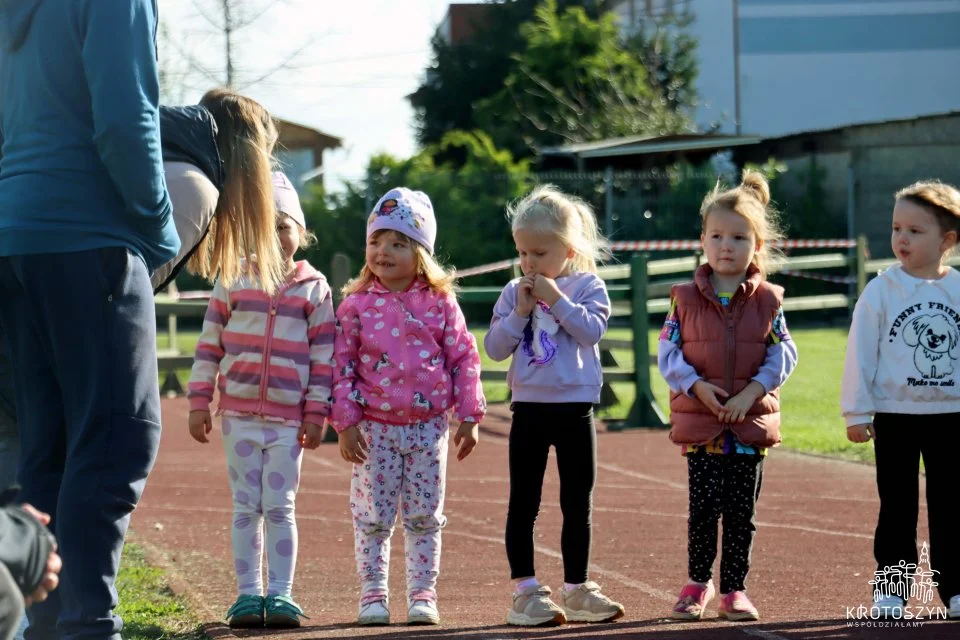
286, 199
407, 212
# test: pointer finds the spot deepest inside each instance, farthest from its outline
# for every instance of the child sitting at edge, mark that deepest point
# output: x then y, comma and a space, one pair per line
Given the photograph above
725, 352
270, 356
404, 359
550, 322
901, 387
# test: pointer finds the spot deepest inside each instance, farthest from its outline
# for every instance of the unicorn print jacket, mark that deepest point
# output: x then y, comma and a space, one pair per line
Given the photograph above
555, 353
268, 356
404, 357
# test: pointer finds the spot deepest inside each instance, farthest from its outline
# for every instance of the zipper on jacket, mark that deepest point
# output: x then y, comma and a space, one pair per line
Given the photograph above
405, 360
268, 345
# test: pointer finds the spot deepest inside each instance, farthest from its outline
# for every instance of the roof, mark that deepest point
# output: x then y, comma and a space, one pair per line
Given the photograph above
858, 125
640, 145
297, 136
646, 144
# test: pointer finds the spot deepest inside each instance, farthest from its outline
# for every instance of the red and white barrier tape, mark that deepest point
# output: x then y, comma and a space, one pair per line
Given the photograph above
818, 276
686, 245
488, 268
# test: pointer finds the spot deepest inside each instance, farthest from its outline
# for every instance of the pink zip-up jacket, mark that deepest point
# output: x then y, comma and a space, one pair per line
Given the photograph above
274, 355
404, 357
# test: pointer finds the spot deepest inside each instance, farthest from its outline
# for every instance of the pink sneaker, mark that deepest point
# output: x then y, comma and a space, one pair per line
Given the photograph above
693, 601
736, 606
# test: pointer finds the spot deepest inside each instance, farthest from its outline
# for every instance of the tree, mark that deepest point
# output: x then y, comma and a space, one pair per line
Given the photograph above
468, 200
465, 73
227, 20
668, 52
574, 81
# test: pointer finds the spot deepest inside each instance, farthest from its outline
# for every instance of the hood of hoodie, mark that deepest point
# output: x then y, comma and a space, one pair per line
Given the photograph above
906, 284
305, 271
16, 17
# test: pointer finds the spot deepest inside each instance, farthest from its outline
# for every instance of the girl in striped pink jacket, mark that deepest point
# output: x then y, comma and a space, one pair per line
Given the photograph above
404, 360
271, 359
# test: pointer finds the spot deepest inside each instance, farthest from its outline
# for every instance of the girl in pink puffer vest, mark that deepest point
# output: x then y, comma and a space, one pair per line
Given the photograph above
403, 359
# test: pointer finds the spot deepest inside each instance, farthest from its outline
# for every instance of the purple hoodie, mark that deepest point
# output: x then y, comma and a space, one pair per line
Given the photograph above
555, 353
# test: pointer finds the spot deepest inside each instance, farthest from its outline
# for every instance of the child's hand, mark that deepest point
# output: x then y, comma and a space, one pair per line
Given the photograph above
735, 409
353, 445
525, 299
467, 437
200, 425
707, 394
546, 289
860, 433
310, 436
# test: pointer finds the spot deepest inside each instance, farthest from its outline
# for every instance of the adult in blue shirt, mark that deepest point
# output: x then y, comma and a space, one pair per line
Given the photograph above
84, 218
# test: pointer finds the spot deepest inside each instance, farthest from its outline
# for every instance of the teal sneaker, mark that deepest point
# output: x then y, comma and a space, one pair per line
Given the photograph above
282, 613
246, 612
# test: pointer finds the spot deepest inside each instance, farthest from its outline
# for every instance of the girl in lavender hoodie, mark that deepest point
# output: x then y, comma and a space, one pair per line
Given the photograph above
550, 321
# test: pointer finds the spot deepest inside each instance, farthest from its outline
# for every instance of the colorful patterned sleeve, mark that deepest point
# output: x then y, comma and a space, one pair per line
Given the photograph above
671, 326
679, 375
781, 358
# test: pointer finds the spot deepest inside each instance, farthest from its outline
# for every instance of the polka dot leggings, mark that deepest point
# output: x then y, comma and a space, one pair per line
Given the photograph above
264, 466
727, 485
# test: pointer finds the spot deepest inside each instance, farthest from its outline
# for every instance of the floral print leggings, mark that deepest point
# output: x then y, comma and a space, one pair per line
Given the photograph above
405, 471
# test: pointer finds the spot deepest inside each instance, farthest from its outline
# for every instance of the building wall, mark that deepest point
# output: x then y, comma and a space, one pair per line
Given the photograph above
817, 64
888, 157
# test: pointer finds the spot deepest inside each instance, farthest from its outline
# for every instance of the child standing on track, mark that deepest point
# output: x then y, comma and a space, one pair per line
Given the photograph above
901, 370
271, 358
404, 359
725, 351
551, 321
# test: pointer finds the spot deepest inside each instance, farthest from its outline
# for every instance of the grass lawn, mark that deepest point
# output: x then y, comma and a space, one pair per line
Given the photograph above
811, 398
149, 609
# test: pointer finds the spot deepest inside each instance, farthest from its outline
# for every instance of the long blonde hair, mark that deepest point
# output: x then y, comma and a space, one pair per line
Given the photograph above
751, 200
244, 225
439, 280
548, 210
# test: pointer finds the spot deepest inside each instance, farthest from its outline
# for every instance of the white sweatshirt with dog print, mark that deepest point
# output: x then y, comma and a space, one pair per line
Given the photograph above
903, 348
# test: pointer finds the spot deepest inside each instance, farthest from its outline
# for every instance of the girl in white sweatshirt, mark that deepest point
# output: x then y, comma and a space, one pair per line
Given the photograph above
901, 387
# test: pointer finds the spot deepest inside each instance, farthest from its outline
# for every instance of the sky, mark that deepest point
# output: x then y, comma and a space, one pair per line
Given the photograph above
359, 59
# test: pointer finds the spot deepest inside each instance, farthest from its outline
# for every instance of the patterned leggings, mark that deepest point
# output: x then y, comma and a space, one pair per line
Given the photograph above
727, 485
405, 471
263, 461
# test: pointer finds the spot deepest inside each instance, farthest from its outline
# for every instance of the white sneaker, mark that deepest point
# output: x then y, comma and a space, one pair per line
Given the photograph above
423, 612
889, 607
954, 611
533, 607
374, 613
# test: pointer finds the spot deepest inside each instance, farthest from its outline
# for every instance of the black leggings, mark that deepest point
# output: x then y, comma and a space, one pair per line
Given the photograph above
899, 442
727, 485
569, 428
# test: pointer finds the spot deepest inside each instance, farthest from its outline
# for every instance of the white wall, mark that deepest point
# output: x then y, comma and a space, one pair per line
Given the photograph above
815, 64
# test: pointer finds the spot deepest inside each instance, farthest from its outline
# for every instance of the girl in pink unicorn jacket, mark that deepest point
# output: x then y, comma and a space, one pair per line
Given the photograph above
403, 359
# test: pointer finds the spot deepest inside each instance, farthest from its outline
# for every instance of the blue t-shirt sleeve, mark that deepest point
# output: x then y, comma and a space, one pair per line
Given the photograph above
120, 65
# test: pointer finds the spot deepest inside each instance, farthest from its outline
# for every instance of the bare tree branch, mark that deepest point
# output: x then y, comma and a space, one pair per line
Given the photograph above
285, 65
